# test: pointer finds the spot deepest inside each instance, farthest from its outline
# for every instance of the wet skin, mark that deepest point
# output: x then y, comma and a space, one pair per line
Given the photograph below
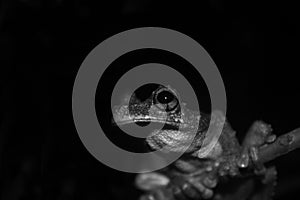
204, 161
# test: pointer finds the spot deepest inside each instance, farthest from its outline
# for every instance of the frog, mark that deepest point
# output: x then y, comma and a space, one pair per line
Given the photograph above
206, 166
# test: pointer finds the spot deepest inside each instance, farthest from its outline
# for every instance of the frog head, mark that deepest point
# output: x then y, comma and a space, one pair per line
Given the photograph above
182, 129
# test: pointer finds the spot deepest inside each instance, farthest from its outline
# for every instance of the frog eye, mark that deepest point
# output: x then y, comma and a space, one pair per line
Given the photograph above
166, 100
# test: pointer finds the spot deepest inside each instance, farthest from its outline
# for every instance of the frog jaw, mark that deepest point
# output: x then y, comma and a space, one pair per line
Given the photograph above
122, 116
189, 128
182, 117
182, 135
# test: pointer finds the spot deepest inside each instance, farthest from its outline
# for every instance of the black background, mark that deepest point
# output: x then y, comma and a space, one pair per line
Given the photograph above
42, 44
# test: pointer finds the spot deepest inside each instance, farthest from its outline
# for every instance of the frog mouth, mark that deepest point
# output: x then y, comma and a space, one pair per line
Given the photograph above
145, 120
141, 120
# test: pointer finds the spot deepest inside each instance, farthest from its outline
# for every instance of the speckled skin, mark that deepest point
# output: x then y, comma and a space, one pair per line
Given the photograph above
192, 177
196, 174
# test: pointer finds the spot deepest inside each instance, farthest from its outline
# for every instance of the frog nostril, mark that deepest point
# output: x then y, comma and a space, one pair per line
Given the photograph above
143, 123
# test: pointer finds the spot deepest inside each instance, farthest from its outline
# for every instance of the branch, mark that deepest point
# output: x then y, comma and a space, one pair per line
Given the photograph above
284, 144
